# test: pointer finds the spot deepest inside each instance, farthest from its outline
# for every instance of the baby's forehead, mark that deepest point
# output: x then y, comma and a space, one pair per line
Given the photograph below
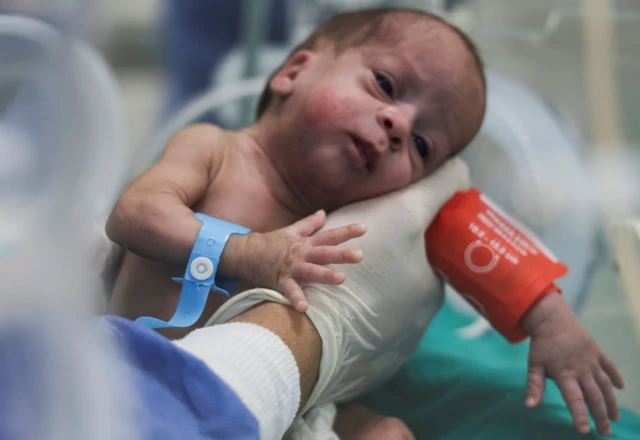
428, 59
429, 43
425, 31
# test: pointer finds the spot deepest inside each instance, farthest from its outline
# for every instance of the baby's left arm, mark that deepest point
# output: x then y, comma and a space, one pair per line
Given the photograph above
564, 351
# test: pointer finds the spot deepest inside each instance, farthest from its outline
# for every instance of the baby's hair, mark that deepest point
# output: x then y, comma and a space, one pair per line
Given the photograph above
366, 27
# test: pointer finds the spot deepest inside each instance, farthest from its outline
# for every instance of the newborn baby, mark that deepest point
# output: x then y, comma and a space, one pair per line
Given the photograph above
369, 103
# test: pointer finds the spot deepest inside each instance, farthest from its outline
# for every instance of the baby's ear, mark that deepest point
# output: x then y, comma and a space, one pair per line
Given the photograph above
283, 81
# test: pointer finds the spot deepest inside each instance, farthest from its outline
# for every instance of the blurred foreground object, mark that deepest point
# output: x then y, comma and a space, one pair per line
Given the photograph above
62, 143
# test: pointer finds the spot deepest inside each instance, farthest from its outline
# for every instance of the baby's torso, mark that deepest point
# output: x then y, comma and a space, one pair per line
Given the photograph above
146, 288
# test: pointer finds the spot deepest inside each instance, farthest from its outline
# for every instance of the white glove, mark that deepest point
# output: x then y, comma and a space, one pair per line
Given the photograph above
372, 323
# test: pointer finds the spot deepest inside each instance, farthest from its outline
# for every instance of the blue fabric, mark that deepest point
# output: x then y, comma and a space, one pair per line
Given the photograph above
179, 397
174, 396
22, 379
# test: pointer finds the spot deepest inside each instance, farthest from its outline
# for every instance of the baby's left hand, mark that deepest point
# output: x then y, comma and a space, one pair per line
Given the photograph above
564, 351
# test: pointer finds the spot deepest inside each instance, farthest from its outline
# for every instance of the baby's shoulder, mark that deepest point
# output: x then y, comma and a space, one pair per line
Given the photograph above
204, 143
202, 135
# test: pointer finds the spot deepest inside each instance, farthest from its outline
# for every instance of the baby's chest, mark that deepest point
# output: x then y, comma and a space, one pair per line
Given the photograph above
248, 207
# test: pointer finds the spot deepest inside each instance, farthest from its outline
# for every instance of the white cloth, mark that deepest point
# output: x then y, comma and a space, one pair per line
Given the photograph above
257, 365
372, 323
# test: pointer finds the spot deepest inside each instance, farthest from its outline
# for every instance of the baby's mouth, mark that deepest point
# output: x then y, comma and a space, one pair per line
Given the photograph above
368, 152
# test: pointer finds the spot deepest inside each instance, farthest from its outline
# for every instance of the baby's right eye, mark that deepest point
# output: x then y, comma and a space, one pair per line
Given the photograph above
385, 84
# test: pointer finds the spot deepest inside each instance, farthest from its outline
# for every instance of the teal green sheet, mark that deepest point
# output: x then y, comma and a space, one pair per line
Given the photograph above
459, 389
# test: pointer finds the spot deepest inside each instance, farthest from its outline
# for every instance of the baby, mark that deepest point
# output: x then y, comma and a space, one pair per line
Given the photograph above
371, 102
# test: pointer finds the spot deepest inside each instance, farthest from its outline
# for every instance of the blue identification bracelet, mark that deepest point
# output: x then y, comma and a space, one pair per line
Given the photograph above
200, 276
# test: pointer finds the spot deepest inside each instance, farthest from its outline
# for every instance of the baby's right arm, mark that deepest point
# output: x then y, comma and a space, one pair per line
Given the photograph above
153, 218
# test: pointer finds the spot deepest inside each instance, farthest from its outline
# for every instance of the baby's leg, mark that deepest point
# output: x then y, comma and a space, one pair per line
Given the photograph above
355, 422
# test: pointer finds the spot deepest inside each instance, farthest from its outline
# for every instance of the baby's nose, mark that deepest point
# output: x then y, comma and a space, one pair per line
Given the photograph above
397, 125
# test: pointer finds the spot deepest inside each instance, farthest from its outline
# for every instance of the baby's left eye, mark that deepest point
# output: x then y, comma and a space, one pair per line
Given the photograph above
421, 145
385, 84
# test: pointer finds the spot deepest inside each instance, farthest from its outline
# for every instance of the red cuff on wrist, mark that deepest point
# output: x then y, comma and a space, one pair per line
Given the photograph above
492, 260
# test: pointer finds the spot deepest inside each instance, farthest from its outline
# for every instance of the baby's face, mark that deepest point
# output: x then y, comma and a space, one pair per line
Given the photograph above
375, 119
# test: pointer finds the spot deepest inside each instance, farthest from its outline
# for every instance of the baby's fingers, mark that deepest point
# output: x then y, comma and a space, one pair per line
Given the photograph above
572, 395
609, 396
610, 368
292, 290
334, 237
333, 255
312, 273
535, 386
308, 225
597, 404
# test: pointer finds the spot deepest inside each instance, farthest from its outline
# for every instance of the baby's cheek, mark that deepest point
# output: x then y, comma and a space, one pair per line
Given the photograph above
326, 104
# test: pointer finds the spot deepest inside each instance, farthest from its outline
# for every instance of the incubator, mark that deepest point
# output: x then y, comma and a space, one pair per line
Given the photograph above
561, 103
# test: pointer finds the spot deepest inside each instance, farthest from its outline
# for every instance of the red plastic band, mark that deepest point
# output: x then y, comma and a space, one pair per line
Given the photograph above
492, 260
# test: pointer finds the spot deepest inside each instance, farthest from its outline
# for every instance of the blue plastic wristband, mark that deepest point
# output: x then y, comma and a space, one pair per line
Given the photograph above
200, 275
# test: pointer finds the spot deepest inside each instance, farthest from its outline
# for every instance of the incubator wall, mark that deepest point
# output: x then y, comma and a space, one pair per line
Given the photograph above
573, 65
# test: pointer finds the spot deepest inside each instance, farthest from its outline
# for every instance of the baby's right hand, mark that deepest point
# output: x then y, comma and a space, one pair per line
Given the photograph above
287, 258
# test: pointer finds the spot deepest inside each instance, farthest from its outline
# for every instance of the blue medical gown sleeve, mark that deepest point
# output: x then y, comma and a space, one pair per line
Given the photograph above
179, 397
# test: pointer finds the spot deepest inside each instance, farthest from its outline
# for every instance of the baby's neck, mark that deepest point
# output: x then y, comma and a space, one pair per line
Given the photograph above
256, 150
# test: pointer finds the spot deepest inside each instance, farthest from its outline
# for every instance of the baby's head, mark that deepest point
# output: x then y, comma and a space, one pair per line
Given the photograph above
372, 101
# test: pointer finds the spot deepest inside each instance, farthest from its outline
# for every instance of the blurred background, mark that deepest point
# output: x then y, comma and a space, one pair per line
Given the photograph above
558, 151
